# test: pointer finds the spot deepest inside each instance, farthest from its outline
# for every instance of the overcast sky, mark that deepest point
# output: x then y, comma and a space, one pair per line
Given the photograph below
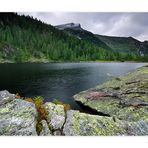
114, 24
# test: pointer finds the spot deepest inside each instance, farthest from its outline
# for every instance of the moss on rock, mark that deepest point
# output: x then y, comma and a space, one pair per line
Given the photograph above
87, 125
56, 115
18, 117
125, 97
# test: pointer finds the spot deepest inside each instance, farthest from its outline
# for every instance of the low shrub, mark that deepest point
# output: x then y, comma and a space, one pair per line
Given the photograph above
39, 127
38, 101
66, 107
57, 102
42, 113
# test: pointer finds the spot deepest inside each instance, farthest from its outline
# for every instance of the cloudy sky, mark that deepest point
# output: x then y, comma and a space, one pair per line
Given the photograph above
114, 24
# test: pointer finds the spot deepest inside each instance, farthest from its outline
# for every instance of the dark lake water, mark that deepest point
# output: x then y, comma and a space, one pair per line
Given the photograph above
58, 80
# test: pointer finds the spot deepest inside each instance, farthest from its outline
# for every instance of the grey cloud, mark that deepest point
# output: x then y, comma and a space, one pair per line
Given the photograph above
105, 23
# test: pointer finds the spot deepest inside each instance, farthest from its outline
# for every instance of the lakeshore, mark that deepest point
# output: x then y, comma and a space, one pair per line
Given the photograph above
122, 104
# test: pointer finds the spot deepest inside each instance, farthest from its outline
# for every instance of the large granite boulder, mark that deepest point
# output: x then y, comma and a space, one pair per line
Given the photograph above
125, 97
17, 117
82, 124
5, 97
92, 125
56, 115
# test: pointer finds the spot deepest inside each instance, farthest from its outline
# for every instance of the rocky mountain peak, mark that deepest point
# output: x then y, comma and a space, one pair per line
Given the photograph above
75, 26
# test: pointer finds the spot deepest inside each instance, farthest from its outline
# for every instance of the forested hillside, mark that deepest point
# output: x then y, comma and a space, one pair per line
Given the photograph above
24, 39
125, 44
128, 48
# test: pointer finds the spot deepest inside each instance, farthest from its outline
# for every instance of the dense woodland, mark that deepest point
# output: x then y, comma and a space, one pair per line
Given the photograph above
24, 39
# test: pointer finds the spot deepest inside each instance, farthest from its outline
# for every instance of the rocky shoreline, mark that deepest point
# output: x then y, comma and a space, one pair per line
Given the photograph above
122, 106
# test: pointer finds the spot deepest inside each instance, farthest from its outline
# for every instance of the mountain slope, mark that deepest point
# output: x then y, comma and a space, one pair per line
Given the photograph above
24, 39
122, 45
125, 44
80, 33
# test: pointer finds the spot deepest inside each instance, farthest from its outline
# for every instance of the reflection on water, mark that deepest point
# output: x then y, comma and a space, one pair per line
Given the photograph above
58, 80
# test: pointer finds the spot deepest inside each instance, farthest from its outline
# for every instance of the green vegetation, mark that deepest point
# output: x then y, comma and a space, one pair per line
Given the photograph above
66, 106
42, 113
24, 39
39, 127
128, 45
39, 101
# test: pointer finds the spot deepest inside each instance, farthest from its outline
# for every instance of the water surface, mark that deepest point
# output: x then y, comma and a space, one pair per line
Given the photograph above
59, 80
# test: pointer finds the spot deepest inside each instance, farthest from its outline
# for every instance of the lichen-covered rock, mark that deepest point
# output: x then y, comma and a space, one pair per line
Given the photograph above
56, 115
57, 133
126, 97
91, 125
139, 128
45, 131
17, 117
5, 97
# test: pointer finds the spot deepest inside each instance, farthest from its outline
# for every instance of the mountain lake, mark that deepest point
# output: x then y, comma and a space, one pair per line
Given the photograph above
59, 80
